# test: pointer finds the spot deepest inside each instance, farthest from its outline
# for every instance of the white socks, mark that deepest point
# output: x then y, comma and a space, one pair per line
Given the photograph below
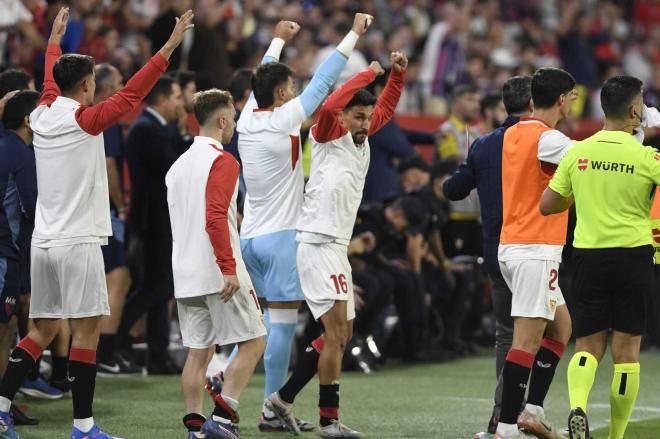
84, 425
5, 404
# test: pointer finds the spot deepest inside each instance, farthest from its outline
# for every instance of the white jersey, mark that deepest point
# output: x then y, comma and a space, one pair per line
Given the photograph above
334, 190
202, 186
270, 150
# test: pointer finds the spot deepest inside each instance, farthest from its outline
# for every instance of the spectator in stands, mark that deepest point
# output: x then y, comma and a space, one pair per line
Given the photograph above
240, 89
150, 150
414, 173
187, 124
493, 112
332, 34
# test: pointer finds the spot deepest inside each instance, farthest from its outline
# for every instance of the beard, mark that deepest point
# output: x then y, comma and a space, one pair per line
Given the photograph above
360, 137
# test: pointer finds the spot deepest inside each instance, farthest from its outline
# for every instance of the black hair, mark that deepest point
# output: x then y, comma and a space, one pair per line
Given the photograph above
548, 84
14, 79
267, 78
414, 211
70, 69
617, 95
414, 162
163, 87
184, 77
464, 89
19, 106
489, 102
240, 83
516, 94
362, 97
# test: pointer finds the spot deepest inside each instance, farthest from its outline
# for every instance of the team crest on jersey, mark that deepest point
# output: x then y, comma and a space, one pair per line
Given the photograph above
656, 235
553, 305
582, 164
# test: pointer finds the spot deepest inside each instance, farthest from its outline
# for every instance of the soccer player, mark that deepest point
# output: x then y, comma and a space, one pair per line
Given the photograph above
611, 176
270, 150
483, 170
340, 159
215, 297
529, 255
72, 217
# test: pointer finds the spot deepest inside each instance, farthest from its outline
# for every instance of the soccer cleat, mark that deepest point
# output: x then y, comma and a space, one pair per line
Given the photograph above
94, 433
272, 425
284, 412
214, 384
39, 388
337, 430
482, 435
219, 430
7, 427
63, 386
538, 426
20, 418
578, 424
117, 368
191, 435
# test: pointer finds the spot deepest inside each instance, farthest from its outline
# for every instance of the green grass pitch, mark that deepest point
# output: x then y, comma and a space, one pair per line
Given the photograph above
444, 401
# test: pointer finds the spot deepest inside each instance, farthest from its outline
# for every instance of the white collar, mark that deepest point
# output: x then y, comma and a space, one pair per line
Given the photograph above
157, 115
208, 140
63, 101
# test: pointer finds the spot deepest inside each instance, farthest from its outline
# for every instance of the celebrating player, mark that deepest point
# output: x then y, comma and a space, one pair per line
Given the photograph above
73, 217
611, 176
216, 301
269, 146
340, 159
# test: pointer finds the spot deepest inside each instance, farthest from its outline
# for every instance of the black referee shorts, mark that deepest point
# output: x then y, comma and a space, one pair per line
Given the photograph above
611, 288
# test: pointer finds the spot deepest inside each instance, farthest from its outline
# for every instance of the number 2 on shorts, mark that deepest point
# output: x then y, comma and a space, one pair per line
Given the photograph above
340, 283
553, 280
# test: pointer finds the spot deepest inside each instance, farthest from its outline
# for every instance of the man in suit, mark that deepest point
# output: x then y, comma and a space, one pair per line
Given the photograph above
151, 149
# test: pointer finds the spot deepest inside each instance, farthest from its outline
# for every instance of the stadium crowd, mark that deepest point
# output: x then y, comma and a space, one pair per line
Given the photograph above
422, 290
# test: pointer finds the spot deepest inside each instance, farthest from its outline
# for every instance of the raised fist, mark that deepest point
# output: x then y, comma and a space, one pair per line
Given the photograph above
399, 61
377, 68
286, 30
361, 23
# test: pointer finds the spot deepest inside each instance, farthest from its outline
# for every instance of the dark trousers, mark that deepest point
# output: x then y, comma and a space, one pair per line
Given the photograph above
151, 257
503, 328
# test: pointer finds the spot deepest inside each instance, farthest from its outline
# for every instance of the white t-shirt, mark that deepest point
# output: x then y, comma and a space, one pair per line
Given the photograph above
270, 150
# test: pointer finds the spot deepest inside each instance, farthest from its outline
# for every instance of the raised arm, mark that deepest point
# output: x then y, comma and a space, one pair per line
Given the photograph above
328, 72
389, 99
51, 91
327, 126
96, 119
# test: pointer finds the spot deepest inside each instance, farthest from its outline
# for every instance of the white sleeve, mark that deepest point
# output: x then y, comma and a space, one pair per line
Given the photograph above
650, 117
553, 145
290, 116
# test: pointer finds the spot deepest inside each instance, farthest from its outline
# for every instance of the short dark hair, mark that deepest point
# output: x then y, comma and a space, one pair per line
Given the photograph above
163, 87
14, 79
207, 102
414, 211
267, 78
70, 69
548, 84
240, 83
184, 77
103, 73
362, 97
463, 89
617, 95
19, 106
489, 102
516, 94
414, 162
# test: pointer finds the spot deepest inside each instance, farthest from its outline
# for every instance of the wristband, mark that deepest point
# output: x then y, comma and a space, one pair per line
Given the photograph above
348, 44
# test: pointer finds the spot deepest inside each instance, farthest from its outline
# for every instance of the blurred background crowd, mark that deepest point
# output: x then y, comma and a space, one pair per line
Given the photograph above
422, 289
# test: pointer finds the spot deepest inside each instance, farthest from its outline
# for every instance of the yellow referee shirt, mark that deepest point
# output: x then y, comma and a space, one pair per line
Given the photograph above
612, 177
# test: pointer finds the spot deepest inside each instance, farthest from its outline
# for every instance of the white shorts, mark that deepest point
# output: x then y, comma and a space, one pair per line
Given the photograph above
68, 282
534, 285
207, 320
325, 277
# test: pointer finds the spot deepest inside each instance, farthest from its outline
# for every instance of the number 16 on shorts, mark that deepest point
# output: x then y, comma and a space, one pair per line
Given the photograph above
339, 280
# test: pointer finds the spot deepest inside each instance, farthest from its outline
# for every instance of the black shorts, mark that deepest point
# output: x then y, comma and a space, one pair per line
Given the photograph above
10, 287
611, 288
114, 255
24, 260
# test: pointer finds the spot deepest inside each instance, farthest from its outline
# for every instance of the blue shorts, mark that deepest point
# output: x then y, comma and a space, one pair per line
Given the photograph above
10, 288
271, 261
114, 254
